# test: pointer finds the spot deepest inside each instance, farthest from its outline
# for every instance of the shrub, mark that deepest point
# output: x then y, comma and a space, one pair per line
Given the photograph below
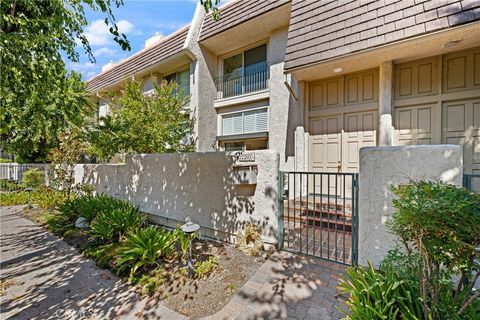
104, 255
440, 223
143, 249
250, 240
378, 295
152, 281
33, 178
90, 206
204, 268
111, 226
44, 197
47, 198
7, 185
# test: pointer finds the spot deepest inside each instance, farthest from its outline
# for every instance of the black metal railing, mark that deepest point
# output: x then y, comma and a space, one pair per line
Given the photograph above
11, 175
319, 214
471, 182
244, 80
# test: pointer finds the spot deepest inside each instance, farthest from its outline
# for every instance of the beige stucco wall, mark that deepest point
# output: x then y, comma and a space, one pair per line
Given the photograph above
172, 187
382, 167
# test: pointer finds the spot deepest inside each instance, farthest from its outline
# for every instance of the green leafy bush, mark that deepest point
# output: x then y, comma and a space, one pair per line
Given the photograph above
33, 178
204, 268
104, 255
90, 206
441, 224
8, 185
112, 226
44, 197
152, 281
379, 295
143, 249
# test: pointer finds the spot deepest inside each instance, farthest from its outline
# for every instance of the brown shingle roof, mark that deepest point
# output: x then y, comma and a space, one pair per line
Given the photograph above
166, 48
236, 13
321, 30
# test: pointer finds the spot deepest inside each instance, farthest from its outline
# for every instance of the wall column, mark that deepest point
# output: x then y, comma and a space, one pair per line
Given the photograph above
385, 128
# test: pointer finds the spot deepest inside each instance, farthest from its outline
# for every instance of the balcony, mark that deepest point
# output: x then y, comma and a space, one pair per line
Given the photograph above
243, 80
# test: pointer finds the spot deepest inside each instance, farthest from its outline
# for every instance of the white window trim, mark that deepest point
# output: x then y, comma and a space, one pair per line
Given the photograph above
243, 120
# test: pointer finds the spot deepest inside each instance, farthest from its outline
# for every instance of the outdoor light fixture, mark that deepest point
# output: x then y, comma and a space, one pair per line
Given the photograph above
450, 44
28, 190
189, 228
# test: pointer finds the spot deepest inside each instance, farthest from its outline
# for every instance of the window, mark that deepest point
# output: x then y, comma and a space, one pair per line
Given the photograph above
182, 78
244, 72
245, 122
234, 146
148, 84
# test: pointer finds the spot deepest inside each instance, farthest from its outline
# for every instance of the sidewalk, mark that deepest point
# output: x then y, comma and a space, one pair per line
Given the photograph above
51, 280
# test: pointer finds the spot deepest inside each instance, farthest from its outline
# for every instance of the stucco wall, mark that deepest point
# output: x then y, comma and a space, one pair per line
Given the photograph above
172, 187
382, 167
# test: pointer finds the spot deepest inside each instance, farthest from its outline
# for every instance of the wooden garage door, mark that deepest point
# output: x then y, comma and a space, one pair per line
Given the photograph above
437, 102
461, 125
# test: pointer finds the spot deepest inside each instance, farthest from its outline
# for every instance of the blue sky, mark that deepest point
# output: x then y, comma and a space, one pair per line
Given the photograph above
139, 20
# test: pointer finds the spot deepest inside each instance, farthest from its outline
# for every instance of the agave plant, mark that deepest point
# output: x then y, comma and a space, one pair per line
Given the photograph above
143, 249
112, 226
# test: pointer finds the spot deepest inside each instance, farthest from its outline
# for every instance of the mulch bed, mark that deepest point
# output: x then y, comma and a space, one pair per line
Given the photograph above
194, 298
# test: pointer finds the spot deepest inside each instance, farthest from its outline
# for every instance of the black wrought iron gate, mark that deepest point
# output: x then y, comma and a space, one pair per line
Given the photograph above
319, 214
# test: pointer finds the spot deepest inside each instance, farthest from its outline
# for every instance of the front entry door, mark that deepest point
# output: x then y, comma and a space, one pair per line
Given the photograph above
335, 142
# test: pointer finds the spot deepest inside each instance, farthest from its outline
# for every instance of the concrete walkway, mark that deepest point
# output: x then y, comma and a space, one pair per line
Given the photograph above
48, 279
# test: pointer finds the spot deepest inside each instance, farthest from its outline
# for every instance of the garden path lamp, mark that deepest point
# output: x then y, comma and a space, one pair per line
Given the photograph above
28, 190
189, 228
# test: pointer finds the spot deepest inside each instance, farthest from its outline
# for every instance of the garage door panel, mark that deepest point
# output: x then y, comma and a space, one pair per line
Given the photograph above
415, 124
424, 123
455, 118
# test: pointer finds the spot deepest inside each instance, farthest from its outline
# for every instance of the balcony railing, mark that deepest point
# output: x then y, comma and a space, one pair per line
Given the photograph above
244, 80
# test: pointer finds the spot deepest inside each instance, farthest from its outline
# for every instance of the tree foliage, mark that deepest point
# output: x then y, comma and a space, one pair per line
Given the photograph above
38, 98
157, 122
440, 223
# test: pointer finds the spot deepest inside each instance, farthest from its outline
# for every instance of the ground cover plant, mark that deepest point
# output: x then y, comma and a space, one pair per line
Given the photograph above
151, 258
432, 272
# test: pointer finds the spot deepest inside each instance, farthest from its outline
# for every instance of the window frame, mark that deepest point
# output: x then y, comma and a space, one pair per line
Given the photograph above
242, 51
242, 112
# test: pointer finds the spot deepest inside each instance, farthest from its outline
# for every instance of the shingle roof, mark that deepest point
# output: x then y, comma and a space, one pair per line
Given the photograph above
166, 48
236, 13
321, 30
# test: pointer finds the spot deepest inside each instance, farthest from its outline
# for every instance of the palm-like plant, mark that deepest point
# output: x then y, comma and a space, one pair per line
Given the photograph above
143, 249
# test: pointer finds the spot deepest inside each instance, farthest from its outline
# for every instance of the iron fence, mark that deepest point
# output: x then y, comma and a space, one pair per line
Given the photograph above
319, 213
471, 182
244, 80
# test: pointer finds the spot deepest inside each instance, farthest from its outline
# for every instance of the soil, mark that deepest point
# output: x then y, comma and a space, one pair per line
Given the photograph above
194, 298
203, 297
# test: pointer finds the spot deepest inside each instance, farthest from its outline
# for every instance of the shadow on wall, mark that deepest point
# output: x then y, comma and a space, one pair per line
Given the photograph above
201, 186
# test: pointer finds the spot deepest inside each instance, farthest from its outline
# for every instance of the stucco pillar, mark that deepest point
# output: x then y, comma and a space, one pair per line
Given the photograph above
385, 128
301, 149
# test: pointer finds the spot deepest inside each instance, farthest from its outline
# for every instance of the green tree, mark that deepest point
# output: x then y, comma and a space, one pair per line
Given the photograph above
38, 98
158, 122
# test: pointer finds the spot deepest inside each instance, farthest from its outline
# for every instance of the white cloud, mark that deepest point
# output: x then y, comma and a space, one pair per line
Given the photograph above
98, 34
88, 69
104, 51
170, 25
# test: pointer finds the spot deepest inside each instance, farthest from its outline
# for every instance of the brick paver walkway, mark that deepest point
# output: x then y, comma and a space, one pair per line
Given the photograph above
51, 280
